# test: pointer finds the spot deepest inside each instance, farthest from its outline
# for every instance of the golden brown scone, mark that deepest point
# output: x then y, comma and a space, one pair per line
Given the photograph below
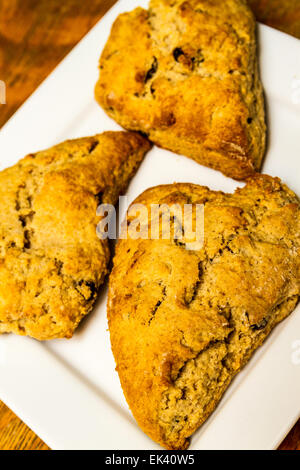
183, 323
51, 260
185, 73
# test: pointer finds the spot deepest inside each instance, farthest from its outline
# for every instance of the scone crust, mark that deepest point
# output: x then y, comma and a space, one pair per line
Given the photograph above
51, 261
186, 74
183, 323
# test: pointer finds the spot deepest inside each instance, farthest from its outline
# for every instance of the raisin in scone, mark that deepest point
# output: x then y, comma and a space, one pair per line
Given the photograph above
185, 73
51, 261
184, 322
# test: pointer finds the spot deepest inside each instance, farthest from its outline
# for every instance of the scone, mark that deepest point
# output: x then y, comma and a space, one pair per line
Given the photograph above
185, 73
51, 261
184, 322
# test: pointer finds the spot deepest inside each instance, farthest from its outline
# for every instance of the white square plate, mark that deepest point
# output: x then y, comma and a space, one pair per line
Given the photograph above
68, 391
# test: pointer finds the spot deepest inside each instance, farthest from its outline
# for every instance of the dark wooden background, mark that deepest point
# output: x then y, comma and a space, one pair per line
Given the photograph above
35, 35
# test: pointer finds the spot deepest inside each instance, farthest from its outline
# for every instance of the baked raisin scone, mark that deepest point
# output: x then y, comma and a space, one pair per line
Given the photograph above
184, 322
51, 260
185, 73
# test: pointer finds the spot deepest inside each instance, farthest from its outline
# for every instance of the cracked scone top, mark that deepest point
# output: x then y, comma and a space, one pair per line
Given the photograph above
185, 73
51, 260
182, 322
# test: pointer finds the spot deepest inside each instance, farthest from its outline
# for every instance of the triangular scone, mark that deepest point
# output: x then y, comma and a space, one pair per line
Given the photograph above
51, 261
185, 73
184, 322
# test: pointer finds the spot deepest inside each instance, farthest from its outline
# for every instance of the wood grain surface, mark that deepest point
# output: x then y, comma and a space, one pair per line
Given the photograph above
280, 14
35, 35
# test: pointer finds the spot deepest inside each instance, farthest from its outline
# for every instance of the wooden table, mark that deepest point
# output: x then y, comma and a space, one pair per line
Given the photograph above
34, 36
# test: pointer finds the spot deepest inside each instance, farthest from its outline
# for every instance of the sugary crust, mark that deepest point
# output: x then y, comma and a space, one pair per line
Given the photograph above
51, 260
185, 73
183, 323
